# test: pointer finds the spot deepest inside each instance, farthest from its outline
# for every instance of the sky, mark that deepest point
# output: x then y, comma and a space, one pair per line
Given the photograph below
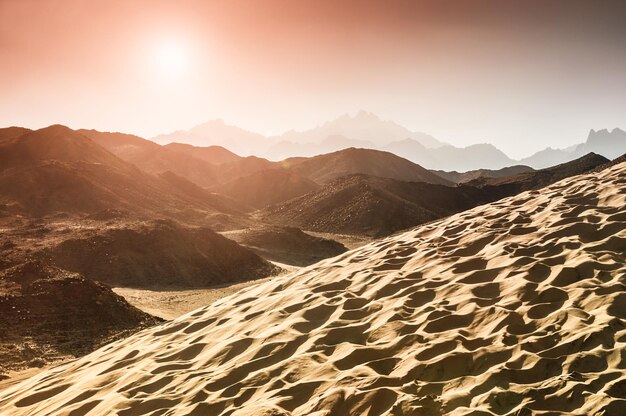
522, 75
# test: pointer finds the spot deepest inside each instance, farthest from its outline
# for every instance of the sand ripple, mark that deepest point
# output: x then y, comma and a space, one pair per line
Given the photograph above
517, 307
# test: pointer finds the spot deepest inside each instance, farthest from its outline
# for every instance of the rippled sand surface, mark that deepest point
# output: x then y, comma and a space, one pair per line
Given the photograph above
517, 307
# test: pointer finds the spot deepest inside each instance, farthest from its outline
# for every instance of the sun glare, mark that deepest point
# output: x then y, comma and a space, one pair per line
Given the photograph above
172, 60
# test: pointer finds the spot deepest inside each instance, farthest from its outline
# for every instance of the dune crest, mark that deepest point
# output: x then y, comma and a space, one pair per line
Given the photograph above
516, 307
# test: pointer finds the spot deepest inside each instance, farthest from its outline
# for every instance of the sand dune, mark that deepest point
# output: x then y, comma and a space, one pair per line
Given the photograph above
517, 307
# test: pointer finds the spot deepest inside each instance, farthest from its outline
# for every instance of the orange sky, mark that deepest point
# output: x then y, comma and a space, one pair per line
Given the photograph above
521, 75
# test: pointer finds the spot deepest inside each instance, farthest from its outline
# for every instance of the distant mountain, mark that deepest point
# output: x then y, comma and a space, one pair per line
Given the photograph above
285, 149
547, 157
266, 187
216, 155
325, 168
374, 206
364, 129
610, 144
462, 177
364, 126
447, 157
218, 133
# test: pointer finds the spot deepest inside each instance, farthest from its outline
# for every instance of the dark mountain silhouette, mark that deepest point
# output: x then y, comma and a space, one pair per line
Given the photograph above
266, 187
324, 168
613, 162
157, 254
368, 205
216, 155
512, 185
288, 245
462, 177
49, 313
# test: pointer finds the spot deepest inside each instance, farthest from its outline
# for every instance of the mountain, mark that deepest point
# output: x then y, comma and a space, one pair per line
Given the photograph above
49, 313
243, 167
285, 149
448, 157
287, 245
364, 129
610, 144
374, 206
218, 133
546, 158
9, 133
156, 254
462, 177
266, 187
512, 185
362, 126
153, 158
366, 205
511, 308
58, 170
324, 168
216, 155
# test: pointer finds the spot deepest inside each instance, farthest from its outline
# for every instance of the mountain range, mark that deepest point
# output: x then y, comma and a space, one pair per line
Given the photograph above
366, 130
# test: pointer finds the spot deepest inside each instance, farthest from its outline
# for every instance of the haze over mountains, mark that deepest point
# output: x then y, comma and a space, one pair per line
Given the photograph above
366, 130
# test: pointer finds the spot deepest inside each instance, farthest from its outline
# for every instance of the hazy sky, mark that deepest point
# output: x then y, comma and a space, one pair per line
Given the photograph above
519, 74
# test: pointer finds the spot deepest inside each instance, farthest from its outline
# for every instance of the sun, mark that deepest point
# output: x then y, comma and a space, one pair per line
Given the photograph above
171, 60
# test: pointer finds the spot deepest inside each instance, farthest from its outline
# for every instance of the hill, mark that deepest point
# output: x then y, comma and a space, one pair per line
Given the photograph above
153, 158
155, 254
368, 205
325, 168
266, 187
463, 177
517, 307
58, 170
50, 314
512, 185
216, 155
287, 245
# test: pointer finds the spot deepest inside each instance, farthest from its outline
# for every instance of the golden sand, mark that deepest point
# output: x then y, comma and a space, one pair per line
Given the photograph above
517, 307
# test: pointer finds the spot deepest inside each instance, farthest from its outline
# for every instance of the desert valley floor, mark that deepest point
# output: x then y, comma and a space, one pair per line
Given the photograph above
515, 307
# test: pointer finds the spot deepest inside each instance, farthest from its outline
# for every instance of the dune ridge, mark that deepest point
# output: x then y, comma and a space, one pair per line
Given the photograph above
517, 307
